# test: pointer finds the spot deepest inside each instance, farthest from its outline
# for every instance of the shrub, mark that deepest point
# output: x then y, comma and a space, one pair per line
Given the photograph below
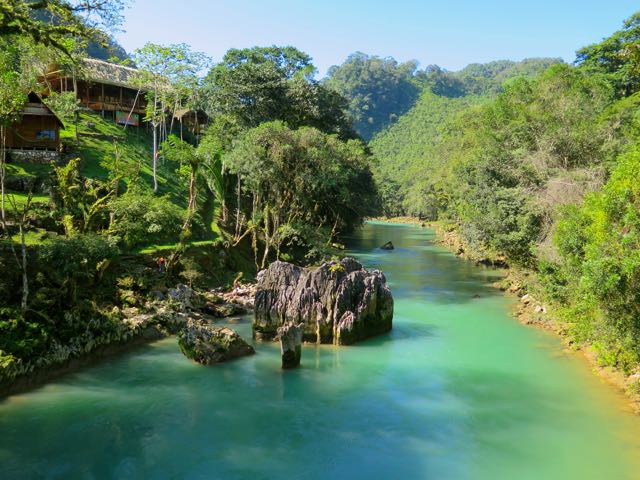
141, 217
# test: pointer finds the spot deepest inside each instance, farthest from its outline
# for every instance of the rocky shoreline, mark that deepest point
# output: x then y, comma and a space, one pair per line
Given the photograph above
532, 311
139, 326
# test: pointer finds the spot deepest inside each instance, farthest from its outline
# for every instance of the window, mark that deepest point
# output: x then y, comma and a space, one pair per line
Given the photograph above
46, 135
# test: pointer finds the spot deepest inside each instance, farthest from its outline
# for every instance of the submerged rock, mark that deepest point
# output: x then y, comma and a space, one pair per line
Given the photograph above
338, 302
387, 246
209, 344
290, 336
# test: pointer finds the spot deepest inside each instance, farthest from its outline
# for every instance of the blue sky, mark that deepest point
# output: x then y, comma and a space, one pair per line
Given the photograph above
450, 33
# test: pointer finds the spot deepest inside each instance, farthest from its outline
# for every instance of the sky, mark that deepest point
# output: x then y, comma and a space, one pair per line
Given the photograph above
450, 33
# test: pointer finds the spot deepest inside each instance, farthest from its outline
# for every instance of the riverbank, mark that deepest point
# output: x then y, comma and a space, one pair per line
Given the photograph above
136, 327
532, 309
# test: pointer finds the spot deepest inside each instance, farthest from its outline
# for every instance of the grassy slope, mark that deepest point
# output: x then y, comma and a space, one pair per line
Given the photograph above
96, 148
97, 145
98, 139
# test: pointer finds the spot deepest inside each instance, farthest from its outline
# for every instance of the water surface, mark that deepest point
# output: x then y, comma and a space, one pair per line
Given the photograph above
458, 390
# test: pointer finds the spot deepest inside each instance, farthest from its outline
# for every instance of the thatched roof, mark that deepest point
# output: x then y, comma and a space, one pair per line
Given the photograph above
36, 107
109, 73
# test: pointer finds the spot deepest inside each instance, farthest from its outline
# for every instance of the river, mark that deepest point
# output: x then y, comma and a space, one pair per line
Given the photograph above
458, 390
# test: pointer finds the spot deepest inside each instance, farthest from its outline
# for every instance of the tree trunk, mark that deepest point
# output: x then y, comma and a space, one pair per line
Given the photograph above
154, 126
155, 157
238, 210
25, 278
76, 113
3, 158
192, 198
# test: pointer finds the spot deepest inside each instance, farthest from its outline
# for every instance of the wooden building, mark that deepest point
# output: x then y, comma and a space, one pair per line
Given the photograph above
193, 121
39, 128
112, 90
117, 93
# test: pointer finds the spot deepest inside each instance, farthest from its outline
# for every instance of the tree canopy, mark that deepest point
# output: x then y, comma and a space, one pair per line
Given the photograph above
379, 90
262, 84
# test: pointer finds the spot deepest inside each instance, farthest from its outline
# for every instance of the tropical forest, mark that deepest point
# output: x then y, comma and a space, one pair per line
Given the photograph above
226, 256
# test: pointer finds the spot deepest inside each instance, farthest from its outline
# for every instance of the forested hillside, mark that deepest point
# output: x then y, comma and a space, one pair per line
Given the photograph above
544, 172
379, 90
408, 152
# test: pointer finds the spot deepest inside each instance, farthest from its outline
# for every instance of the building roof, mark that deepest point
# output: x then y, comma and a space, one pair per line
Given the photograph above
110, 73
36, 107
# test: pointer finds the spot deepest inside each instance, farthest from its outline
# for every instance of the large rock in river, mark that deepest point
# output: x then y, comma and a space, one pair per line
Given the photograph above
209, 344
338, 302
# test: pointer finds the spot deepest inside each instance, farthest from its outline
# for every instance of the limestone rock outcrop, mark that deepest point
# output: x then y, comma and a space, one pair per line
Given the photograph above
184, 297
290, 336
208, 344
338, 302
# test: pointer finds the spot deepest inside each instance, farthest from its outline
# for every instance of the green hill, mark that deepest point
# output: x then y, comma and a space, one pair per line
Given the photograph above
407, 152
106, 149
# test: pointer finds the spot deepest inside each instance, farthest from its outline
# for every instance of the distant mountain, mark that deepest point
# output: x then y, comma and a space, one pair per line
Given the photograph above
110, 50
482, 78
380, 90
409, 147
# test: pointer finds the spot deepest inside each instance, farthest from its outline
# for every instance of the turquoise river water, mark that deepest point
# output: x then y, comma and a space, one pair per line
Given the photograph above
458, 390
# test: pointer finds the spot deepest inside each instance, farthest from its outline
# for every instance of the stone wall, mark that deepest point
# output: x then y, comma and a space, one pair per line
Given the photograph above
34, 156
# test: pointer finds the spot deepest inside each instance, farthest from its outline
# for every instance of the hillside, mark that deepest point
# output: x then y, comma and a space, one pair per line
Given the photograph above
99, 140
408, 149
380, 90
407, 152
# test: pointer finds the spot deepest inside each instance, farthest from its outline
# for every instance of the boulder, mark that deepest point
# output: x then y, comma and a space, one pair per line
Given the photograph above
208, 344
387, 246
338, 302
184, 297
290, 336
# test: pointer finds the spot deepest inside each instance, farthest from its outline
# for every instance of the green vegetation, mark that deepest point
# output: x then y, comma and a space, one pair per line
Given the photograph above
304, 185
379, 90
412, 152
279, 176
534, 161
541, 169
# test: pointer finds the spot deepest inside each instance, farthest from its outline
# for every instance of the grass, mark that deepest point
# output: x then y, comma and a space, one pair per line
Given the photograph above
96, 146
28, 170
150, 249
20, 199
32, 237
99, 138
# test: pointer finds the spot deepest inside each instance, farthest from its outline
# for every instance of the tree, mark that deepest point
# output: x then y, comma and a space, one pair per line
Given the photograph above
22, 215
262, 84
54, 22
165, 70
14, 87
599, 244
141, 217
83, 200
379, 90
298, 180
182, 152
618, 56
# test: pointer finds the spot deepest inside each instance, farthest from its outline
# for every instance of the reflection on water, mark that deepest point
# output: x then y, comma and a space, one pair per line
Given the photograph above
457, 390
